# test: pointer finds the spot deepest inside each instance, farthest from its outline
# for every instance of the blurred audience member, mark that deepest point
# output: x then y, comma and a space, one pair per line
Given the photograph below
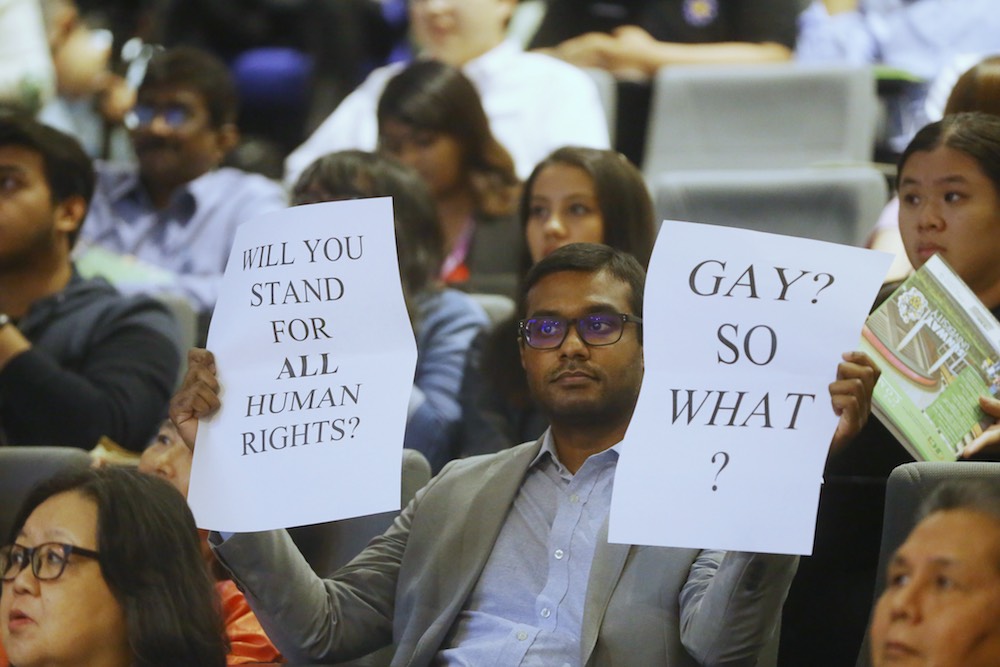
575, 195
534, 103
636, 38
949, 191
445, 321
90, 99
978, 89
430, 118
167, 225
27, 78
941, 606
920, 37
77, 360
103, 568
168, 457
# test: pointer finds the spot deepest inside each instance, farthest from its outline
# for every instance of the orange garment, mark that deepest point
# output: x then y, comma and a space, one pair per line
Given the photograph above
3, 657
247, 641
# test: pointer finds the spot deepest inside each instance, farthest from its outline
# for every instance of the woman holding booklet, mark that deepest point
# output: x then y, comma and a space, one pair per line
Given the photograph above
949, 191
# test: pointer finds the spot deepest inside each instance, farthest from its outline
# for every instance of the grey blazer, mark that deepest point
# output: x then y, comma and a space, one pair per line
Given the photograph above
645, 605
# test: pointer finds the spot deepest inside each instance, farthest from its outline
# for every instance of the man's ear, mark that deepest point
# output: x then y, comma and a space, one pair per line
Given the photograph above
227, 138
520, 350
506, 9
69, 214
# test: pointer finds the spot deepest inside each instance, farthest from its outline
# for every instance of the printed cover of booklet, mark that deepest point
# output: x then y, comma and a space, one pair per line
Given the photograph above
939, 350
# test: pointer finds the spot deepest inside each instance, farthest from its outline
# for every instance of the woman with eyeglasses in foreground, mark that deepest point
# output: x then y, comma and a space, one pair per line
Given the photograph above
103, 569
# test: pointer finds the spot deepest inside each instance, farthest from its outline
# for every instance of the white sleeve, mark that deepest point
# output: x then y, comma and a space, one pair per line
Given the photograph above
26, 73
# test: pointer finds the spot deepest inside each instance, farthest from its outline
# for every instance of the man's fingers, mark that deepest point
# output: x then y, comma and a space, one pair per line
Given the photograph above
198, 396
851, 395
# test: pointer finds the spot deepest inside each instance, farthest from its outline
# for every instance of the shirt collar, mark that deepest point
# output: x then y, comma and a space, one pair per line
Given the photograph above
130, 185
479, 69
548, 449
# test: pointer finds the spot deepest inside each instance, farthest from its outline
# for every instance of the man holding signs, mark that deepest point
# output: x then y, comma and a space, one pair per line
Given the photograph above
529, 577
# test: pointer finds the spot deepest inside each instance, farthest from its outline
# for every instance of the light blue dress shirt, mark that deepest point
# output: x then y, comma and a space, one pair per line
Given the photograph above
191, 237
527, 607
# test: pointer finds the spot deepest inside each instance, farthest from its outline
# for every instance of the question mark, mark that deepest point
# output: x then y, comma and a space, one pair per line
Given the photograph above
816, 279
725, 462
356, 421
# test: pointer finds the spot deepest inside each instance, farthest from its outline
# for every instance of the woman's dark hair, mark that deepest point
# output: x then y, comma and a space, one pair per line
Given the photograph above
431, 95
978, 89
627, 214
355, 174
626, 207
975, 134
151, 560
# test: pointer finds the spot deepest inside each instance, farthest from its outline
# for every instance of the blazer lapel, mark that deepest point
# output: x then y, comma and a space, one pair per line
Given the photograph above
609, 561
492, 501
491, 496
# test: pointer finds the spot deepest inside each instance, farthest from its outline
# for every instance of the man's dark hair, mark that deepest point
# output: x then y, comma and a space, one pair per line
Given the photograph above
150, 557
68, 170
590, 258
201, 71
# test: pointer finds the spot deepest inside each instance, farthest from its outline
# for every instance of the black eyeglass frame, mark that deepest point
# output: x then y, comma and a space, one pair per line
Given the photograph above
7, 559
143, 115
522, 328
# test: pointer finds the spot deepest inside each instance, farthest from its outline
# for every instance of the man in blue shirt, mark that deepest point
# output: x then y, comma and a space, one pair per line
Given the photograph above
504, 559
177, 213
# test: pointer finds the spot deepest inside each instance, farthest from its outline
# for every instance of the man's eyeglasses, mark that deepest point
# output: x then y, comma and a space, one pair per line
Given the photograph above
547, 333
142, 115
47, 560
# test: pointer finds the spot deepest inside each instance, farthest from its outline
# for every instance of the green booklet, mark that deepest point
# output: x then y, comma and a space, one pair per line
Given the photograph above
939, 349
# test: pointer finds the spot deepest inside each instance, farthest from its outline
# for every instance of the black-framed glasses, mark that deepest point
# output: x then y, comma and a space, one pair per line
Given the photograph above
143, 115
597, 329
47, 560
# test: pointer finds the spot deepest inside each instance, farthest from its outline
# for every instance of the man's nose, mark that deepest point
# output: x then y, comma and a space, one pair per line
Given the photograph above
905, 602
573, 345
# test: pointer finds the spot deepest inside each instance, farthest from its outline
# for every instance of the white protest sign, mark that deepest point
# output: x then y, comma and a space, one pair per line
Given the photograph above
315, 355
742, 335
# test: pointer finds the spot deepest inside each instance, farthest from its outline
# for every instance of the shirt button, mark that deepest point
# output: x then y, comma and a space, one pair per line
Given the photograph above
574, 498
521, 636
546, 612
559, 554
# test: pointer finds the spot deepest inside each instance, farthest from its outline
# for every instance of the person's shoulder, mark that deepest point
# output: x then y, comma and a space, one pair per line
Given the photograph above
113, 176
451, 302
96, 305
379, 76
483, 463
235, 177
540, 65
237, 185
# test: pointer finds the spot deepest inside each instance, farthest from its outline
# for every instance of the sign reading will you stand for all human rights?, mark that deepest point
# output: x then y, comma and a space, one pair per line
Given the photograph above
743, 332
315, 356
